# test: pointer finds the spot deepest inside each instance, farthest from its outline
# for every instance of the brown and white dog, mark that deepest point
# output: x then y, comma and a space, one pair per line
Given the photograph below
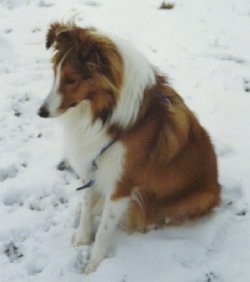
129, 135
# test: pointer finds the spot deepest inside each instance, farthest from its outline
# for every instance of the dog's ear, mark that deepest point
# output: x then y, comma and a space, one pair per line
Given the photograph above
52, 34
64, 37
59, 33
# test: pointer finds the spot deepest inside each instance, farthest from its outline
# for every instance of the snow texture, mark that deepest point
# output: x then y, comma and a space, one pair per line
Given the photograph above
204, 48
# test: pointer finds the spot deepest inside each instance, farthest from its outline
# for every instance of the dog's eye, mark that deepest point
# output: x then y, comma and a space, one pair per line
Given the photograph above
69, 81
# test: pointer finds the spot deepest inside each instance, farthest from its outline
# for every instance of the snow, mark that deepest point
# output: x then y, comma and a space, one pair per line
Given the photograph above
204, 48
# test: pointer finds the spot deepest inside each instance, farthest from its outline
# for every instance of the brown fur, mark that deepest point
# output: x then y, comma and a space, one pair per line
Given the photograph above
170, 162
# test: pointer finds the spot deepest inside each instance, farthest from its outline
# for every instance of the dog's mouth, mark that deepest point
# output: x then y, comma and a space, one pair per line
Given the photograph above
73, 105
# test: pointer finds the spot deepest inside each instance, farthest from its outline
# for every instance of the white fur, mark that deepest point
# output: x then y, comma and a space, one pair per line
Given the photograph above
84, 232
54, 99
138, 76
112, 214
84, 141
83, 138
110, 169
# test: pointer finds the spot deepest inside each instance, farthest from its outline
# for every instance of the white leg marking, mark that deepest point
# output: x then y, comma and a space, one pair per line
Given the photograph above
84, 232
112, 213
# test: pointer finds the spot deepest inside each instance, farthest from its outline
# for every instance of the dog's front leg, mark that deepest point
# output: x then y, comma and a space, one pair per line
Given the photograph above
84, 232
112, 213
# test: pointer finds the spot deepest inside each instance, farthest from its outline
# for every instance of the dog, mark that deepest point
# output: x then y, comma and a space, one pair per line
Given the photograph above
144, 158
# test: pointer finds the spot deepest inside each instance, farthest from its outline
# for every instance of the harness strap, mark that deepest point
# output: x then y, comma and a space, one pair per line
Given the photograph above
94, 165
87, 185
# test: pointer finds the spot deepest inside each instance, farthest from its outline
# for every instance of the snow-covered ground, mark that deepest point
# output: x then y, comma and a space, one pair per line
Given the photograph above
204, 48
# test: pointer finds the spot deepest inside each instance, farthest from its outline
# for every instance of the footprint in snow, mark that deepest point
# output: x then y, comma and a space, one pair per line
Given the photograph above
81, 259
211, 277
92, 3
11, 170
13, 251
247, 85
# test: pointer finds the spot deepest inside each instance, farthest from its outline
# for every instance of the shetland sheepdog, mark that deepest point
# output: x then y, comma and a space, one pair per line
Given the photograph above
144, 159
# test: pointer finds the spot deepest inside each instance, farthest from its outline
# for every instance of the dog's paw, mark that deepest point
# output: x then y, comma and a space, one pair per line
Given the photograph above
81, 239
91, 266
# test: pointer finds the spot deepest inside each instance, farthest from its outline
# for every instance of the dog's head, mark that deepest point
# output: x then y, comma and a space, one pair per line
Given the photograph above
87, 67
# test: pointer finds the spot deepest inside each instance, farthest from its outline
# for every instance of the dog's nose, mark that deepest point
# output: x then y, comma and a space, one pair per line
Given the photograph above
43, 112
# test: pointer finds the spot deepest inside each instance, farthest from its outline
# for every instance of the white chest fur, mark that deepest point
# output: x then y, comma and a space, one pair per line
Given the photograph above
83, 139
